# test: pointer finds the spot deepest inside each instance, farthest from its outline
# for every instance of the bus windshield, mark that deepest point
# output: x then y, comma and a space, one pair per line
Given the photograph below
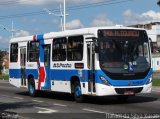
124, 52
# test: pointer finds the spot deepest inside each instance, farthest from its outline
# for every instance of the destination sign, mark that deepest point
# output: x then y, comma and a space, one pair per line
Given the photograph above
119, 33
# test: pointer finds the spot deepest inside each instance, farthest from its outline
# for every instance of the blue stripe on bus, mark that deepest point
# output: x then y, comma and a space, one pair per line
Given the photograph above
123, 82
33, 72
65, 75
39, 37
16, 73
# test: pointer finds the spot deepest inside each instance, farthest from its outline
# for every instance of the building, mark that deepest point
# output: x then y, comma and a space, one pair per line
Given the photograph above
153, 30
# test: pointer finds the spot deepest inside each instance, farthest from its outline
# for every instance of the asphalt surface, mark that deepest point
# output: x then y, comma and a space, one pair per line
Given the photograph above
15, 103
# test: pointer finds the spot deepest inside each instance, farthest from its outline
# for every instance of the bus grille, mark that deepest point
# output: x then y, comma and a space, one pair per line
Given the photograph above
123, 90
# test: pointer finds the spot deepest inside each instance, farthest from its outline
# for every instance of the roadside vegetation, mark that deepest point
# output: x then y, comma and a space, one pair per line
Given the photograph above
4, 77
156, 82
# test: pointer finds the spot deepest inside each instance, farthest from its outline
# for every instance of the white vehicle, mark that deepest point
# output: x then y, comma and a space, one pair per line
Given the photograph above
99, 61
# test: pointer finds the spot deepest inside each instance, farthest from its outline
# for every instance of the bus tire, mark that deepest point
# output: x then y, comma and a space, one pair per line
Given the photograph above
31, 88
78, 93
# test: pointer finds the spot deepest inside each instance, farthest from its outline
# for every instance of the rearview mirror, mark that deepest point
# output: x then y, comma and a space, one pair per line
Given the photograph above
96, 47
151, 45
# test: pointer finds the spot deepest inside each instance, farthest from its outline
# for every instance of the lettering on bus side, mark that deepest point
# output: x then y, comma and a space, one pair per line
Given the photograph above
30, 65
62, 65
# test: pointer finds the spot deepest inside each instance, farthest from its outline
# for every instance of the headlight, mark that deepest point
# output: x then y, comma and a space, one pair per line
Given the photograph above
149, 80
104, 80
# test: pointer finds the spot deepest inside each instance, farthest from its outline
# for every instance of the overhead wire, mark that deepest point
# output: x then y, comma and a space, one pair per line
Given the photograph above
71, 8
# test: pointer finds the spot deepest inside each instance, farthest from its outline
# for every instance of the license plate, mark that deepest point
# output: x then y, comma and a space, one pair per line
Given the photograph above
128, 93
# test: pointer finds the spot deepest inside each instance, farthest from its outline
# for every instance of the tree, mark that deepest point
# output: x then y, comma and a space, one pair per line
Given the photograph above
2, 54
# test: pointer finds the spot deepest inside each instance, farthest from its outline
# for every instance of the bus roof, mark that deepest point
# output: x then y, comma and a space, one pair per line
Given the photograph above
51, 35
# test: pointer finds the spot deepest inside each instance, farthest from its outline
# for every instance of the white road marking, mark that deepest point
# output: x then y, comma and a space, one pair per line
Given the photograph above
56, 104
38, 101
18, 98
93, 111
46, 110
5, 95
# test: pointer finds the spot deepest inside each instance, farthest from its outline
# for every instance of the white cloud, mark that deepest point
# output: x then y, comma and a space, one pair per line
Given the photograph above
131, 17
101, 20
155, 16
128, 13
36, 2
34, 20
74, 24
43, 2
22, 33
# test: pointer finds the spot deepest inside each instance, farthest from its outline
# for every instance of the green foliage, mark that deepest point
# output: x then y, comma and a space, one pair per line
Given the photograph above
2, 54
156, 82
4, 77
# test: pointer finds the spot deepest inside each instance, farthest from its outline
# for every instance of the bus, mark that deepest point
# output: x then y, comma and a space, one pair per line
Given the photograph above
98, 61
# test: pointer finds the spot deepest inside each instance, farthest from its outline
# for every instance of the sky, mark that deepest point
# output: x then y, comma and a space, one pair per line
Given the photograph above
29, 17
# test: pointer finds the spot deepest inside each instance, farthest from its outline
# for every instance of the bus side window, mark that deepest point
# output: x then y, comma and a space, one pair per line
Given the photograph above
75, 48
33, 53
14, 52
59, 49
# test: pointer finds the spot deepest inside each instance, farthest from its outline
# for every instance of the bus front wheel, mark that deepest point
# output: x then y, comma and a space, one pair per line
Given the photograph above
31, 88
78, 93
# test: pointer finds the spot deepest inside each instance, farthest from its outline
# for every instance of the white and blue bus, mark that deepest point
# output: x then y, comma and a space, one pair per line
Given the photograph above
98, 61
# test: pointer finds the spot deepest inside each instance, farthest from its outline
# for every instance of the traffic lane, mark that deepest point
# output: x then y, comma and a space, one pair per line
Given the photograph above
137, 104
149, 103
22, 107
17, 100
104, 105
141, 103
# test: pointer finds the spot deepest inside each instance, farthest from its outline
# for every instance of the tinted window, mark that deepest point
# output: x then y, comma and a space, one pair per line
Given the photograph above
59, 49
33, 55
75, 48
14, 52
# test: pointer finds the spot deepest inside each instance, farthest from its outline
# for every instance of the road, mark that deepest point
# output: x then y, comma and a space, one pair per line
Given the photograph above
16, 103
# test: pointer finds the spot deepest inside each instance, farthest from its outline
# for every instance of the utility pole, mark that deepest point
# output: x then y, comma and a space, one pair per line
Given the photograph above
64, 14
61, 15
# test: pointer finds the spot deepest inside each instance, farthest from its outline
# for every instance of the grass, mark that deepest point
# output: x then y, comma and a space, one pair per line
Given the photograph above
4, 77
156, 82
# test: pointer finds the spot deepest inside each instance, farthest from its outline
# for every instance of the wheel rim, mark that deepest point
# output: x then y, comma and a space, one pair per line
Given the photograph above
78, 91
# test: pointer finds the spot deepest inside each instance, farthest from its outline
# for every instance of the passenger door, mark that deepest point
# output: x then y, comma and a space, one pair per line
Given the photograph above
91, 68
47, 57
23, 65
